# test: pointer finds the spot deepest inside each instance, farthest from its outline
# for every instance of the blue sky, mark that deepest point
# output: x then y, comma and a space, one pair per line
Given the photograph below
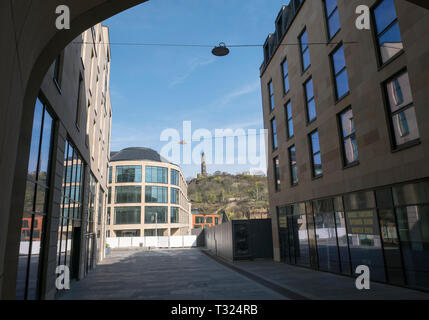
155, 88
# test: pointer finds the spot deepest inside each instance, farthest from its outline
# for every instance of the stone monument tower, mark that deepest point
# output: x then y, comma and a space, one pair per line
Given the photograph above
203, 165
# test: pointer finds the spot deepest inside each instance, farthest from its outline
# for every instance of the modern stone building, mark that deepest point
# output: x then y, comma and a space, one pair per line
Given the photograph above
66, 188
347, 113
148, 196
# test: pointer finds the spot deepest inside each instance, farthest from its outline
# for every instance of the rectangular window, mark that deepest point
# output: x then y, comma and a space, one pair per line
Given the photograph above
110, 174
174, 196
156, 174
128, 174
58, 65
209, 219
274, 134
305, 51
387, 30
340, 72
289, 119
156, 194
402, 112
80, 100
154, 215
127, 215
333, 19
108, 216
276, 173
348, 136
174, 215
199, 220
109, 195
311, 104
35, 203
293, 166
128, 194
271, 95
174, 177
315, 154
285, 70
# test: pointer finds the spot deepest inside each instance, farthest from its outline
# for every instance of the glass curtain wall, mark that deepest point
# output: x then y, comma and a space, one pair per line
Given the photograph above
128, 174
71, 211
326, 234
35, 204
156, 174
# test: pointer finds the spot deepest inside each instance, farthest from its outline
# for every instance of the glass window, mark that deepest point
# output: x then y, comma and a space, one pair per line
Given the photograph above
332, 17
311, 104
364, 235
350, 150
154, 215
110, 174
285, 70
387, 30
271, 95
174, 177
274, 134
402, 112
109, 195
289, 119
174, 215
128, 174
343, 243
156, 174
340, 72
127, 215
174, 196
156, 194
413, 223
35, 205
293, 166
276, 173
128, 194
327, 249
209, 219
316, 155
305, 51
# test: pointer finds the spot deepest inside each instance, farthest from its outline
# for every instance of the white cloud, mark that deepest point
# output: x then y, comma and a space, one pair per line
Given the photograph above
193, 65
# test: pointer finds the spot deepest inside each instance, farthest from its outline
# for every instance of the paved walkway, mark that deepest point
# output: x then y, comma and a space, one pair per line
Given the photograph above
191, 274
185, 274
318, 285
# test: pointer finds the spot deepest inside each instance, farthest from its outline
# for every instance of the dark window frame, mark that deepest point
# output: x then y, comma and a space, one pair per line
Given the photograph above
342, 139
327, 19
302, 52
313, 171
289, 119
285, 76
291, 165
376, 36
310, 78
338, 98
394, 147
274, 136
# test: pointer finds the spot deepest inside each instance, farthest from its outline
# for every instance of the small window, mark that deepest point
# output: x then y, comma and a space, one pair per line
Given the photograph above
348, 136
276, 173
271, 94
402, 111
387, 30
289, 119
293, 166
333, 19
285, 70
58, 65
316, 158
311, 104
305, 52
274, 134
340, 72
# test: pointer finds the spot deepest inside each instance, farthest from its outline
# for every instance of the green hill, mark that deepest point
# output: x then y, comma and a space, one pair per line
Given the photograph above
240, 196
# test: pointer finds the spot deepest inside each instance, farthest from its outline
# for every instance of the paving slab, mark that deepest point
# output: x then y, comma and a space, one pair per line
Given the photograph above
176, 274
